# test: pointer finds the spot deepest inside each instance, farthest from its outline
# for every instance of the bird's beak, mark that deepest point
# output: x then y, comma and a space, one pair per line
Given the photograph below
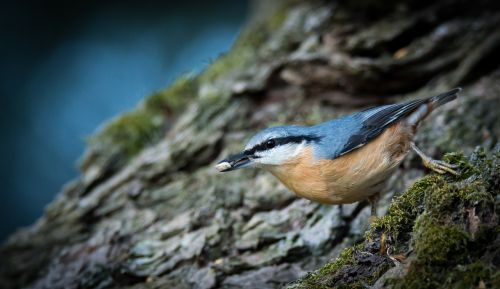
234, 162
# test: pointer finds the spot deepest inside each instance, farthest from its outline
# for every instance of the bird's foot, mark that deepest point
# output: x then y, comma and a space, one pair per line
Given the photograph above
439, 166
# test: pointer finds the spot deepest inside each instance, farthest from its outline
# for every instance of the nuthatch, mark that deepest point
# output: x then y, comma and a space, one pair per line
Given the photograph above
343, 160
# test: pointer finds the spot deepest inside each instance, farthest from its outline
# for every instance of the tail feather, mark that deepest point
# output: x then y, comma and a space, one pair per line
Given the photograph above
443, 98
430, 104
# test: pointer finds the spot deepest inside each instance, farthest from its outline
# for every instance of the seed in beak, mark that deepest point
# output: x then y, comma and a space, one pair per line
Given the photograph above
223, 166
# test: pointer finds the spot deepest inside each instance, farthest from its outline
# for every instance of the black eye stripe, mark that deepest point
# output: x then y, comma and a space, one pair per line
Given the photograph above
249, 152
282, 141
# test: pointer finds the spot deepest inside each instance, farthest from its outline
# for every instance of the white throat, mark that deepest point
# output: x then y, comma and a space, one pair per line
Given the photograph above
281, 154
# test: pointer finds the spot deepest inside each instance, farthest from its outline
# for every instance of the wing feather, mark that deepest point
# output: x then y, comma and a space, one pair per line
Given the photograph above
376, 120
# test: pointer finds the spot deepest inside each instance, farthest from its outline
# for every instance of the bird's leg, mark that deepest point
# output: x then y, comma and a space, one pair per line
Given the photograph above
373, 200
435, 165
341, 213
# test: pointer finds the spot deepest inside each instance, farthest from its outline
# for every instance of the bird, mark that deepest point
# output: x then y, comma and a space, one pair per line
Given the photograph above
344, 160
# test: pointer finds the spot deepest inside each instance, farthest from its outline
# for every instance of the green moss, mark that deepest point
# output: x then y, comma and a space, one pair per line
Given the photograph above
346, 257
243, 51
462, 276
434, 193
175, 98
227, 63
315, 279
476, 194
438, 243
405, 208
441, 198
456, 196
466, 168
130, 132
446, 196
447, 253
471, 275
352, 261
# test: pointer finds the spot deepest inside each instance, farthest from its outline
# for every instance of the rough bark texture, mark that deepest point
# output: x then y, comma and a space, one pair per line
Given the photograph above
149, 211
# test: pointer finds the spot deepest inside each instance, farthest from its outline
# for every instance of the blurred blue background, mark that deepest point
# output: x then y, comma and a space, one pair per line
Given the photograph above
67, 67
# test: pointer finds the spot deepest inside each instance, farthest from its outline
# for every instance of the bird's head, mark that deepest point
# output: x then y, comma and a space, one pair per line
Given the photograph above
271, 147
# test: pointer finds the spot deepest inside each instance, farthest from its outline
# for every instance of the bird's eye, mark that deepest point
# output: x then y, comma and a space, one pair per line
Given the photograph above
270, 144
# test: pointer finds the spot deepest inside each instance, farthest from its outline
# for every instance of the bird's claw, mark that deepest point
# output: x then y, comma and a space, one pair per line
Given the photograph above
440, 167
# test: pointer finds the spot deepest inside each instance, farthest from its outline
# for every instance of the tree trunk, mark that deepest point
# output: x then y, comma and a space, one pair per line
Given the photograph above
149, 210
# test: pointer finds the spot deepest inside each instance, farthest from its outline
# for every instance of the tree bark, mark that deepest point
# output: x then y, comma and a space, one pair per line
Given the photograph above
149, 210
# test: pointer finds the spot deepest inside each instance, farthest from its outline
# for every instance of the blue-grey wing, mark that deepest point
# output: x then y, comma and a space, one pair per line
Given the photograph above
348, 133
375, 120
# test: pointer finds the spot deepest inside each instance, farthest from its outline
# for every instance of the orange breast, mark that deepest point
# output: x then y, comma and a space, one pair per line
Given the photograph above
352, 177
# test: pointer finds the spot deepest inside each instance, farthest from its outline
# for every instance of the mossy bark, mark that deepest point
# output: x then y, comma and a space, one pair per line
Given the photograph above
149, 211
